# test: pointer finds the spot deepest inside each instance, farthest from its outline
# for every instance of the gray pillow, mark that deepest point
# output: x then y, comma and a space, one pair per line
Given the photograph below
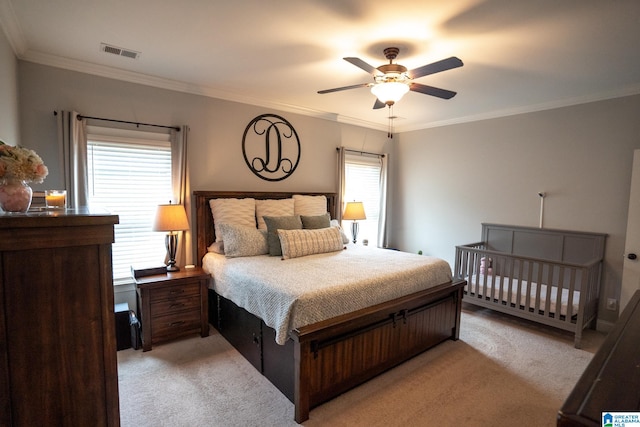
240, 241
315, 221
274, 223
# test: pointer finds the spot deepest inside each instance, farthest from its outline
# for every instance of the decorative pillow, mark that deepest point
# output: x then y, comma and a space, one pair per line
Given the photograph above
316, 221
272, 207
297, 243
232, 211
216, 247
309, 205
242, 241
275, 223
335, 223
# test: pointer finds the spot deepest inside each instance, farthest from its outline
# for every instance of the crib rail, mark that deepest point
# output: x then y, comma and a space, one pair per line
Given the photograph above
532, 288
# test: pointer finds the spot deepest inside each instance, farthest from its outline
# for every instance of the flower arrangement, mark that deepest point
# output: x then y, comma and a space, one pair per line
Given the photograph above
21, 163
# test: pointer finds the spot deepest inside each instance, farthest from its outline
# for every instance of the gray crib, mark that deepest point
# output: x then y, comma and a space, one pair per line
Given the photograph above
544, 275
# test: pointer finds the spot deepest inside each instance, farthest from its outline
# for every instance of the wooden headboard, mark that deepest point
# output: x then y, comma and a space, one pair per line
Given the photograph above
205, 234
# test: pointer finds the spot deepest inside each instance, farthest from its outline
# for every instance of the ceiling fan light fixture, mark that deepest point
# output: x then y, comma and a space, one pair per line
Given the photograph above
390, 92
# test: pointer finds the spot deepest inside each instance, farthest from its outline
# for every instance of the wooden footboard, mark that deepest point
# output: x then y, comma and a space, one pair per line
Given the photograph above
328, 358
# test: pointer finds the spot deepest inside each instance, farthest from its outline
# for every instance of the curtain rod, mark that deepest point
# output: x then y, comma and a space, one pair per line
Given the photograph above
80, 117
131, 123
363, 153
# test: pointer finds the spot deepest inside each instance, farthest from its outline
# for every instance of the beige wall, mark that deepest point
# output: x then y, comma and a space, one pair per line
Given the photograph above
451, 179
215, 152
9, 122
444, 181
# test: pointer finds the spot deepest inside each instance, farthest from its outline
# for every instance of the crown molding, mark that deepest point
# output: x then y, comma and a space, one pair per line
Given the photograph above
13, 31
163, 83
561, 103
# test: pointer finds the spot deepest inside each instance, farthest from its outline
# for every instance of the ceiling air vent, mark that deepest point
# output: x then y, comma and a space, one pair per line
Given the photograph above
127, 53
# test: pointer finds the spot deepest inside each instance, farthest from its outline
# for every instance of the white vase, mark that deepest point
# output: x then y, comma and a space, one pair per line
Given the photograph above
15, 195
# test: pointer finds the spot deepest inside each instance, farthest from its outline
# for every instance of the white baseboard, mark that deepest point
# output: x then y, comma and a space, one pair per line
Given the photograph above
604, 326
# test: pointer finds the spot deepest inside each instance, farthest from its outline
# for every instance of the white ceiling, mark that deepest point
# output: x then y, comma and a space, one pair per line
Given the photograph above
519, 55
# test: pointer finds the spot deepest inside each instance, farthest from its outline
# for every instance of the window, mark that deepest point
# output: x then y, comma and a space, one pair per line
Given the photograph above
362, 184
129, 174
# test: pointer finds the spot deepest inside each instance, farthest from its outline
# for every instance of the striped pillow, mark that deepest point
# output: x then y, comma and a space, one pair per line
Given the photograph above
271, 207
309, 205
241, 212
298, 243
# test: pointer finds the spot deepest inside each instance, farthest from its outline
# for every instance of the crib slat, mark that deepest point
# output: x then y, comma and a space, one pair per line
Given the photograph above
540, 282
507, 274
529, 284
547, 303
572, 285
559, 289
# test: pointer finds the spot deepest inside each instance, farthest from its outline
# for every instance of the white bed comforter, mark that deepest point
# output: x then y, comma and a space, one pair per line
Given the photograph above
288, 294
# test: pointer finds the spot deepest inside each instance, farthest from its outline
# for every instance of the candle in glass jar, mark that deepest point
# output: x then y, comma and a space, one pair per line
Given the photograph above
56, 199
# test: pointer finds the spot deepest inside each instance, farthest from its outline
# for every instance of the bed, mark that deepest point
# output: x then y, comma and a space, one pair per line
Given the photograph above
547, 276
319, 358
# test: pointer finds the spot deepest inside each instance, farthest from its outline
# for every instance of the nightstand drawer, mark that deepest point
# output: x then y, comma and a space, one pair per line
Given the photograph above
173, 305
177, 291
165, 326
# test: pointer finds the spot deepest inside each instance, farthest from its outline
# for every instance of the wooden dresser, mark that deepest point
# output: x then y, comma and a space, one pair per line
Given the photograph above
58, 361
611, 381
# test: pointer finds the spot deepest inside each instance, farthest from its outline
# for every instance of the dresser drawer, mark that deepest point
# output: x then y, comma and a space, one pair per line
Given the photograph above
163, 327
174, 305
177, 291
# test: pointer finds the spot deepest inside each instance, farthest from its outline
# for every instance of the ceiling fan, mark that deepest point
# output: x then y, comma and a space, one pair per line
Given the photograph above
392, 81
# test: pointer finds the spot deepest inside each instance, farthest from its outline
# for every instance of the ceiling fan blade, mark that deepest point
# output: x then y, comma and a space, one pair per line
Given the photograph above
379, 104
338, 89
435, 67
433, 91
363, 65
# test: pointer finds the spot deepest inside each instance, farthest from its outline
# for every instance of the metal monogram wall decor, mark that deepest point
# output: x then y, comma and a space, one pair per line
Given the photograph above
271, 147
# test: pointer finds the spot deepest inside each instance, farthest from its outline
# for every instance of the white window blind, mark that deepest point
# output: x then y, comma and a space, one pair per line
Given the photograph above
362, 184
129, 175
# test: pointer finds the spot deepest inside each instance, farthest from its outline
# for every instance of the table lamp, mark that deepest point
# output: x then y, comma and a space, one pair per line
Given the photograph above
171, 218
354, 211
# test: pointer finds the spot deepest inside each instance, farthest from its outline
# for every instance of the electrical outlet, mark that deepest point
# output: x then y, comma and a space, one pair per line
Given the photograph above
612, 304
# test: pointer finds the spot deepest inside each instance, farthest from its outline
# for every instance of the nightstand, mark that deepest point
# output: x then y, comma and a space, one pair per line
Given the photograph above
172, 305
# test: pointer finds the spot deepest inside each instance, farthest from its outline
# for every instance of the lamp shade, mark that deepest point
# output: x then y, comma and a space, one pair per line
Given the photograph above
354, 211
390, 92
170, 218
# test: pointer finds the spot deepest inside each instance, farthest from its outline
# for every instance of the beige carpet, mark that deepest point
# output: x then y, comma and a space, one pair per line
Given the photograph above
502, 372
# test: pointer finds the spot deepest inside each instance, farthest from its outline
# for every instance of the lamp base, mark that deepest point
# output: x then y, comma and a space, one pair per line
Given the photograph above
354, 231
171, 241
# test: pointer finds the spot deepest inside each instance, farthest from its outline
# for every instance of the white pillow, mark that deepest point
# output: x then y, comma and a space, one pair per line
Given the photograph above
309, 205
272, 207
335, 223
232, 211
216, 247
298, 243
240, 241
